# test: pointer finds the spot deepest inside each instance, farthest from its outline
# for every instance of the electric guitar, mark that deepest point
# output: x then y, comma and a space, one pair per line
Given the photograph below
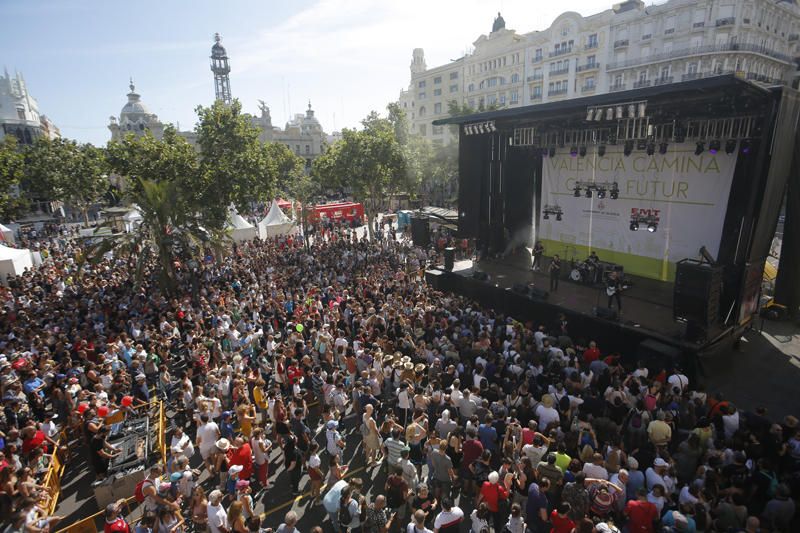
611, 291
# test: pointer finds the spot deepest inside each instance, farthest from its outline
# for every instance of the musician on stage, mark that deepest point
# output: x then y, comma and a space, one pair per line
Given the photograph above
555, 272
538, 250
613, 289
593, 259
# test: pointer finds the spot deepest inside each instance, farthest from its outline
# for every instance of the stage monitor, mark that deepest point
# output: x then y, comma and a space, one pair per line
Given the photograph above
679, 200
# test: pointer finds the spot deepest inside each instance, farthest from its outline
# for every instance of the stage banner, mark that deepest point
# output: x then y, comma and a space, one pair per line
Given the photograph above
687, 194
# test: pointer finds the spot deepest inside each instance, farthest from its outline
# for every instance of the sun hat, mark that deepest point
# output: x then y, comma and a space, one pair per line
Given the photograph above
332, 424
242, 483
660, 462
223, 444
235, 469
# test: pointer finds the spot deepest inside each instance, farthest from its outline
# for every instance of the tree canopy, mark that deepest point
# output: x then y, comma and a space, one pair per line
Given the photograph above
12, 164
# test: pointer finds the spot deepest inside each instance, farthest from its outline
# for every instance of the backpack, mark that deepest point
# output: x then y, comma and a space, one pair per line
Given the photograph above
636, 420
138, 492
344, 516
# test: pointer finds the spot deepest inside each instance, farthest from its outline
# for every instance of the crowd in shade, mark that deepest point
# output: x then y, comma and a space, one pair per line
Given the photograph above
285, 367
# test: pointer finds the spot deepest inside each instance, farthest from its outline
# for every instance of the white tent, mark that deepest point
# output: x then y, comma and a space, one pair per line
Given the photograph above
6, 234
14, 261
132, 218
275, 223
241, 230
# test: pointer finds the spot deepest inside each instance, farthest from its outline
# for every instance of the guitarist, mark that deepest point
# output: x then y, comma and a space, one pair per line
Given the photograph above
614, 290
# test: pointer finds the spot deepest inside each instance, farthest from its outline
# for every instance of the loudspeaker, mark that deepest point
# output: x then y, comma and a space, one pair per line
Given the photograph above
538, 294
480, 276
696, 293
420, 232
606, 313
434, 279
520, 288
449, 258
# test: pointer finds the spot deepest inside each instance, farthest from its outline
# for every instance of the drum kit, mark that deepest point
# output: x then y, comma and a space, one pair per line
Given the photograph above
585, 272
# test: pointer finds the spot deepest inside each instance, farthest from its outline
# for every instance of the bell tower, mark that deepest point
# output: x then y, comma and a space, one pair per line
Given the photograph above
221, 70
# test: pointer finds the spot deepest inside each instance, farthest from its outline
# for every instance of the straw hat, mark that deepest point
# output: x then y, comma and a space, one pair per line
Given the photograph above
405, 359
223, 444
397, 365
408, 366
388, 359
419, 368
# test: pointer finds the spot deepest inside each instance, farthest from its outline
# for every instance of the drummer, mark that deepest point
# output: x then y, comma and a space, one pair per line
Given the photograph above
593, 260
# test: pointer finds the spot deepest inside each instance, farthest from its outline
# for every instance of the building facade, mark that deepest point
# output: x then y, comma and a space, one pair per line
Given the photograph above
627, 47
19, 112
135, 118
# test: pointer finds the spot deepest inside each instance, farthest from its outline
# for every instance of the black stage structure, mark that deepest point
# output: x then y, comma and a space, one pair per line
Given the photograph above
501, 156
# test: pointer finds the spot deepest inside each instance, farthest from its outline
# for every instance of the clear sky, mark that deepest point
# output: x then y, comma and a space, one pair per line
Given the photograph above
347, 57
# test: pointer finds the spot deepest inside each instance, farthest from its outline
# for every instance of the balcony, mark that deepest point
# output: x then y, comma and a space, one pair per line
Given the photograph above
763, 79
620, 43
557, 92
701, 50
587, 66
535, 77
588, 88
663, 80
591, 46
647, 36
536, 59
698, 25
642, 83
691, 76
561, 51
669, 31
727, 21
616, 87
560, 71
535, 97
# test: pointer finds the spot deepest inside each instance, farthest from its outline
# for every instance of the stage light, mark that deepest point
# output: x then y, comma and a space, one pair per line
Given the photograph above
641, 144
745, 146
652, 226
614, 193
582, 151
631, 111
588, 192
642, 108
551, 151
558, 217
546, 215
700, 148
662, 148
612, 139
492, 127
730, 146
628, 148
589, 115
713, 146
601, 193
651, 148
610, 113
620, 112
573, 151
680, 134
577, 192
543, 152
634, 225
598, 115
601, 150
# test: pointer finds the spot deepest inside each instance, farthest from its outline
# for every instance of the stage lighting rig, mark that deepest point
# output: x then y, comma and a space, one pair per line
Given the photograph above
700, 148
628, 148
551, 151
649, 222
480, 128
745, 146
730, 146
651, 148
554, 210
576, 192
601, 150
588, 192
582, 151
662, 148
614, 192
601, 192
713, 146
573, 151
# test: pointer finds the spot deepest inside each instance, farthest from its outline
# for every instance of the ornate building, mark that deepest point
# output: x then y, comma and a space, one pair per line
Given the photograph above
135, 118
19, 112
629, 46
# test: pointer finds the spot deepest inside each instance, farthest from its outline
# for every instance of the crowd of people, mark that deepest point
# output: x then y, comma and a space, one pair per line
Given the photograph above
287, 366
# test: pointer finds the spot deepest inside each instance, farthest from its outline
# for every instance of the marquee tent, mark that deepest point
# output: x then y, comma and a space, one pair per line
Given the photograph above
6, 234
275, 223
241, 230
14, 261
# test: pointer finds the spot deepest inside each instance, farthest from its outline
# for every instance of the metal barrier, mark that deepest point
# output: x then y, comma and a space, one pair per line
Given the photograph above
89, 524
52, 478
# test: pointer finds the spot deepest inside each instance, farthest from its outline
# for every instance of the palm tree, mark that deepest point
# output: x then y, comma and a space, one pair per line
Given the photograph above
169, 232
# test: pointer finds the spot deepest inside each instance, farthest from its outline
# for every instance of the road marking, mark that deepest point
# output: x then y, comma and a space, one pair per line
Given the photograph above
308, 493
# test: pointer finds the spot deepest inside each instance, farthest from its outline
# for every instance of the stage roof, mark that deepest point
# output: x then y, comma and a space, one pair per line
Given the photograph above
702, 87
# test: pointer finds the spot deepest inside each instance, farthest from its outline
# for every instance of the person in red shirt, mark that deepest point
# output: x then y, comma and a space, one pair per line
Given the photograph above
470, 450
493, 492
641, 513
241, 454
33, 438
114, 521
592, 353
560, 519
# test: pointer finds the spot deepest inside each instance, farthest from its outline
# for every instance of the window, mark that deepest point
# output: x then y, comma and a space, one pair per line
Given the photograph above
471, 87
537, 91
618, 80
297, 148
437, 80
514, 97
697, 41
592, 41
725, 11
590, 82
515, 78
492, 99
454, 88
423, 129
669, 24
538, 55
437, 108
422, 111
699, 17
21, 113
471, 103
502, 99
422, 96
308, 149
642, 76
692, 68
647, 30
492, 82
665, 72
591, 60
454, 75
421, 84
437, 92
668, 47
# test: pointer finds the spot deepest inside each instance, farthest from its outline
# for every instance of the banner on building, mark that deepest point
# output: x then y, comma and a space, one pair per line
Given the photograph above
687, 194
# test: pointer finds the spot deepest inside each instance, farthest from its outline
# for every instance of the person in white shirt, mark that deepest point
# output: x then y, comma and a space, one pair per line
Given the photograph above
596, 469
217, 516
450, 518
207, 435
181, 444
545, 412
677, 381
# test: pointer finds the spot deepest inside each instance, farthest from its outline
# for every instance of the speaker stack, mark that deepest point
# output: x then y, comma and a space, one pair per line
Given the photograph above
449, 258
697, 292
420, 231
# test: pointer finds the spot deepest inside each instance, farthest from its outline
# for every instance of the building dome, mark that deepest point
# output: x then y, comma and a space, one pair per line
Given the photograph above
217, 50
134, 106
135, 117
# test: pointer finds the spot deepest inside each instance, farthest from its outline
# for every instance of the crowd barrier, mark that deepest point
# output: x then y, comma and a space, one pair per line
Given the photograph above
89, 524
52, 478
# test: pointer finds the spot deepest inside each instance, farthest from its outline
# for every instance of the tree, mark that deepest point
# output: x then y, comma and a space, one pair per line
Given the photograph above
63, 170
236, 167
12, 164
440, 180
369, 163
